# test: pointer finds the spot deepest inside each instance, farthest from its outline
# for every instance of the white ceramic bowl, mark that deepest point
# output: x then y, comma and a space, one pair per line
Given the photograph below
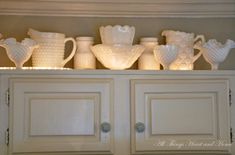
117, 34
117, 57
165, 54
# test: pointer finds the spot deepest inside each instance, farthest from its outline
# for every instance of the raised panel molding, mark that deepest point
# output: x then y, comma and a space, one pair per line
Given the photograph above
169, 106
179, 111
60, 115
73, 114
120, 8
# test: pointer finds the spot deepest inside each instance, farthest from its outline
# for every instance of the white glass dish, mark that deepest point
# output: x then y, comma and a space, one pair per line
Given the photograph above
214, 52
117, 57
117, 34
166, 54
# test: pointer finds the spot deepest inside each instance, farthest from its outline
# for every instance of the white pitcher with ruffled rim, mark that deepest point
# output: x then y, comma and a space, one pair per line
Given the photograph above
185, 42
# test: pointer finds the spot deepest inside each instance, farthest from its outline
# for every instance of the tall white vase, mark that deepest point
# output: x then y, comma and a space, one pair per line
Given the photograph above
146, 60
84, 58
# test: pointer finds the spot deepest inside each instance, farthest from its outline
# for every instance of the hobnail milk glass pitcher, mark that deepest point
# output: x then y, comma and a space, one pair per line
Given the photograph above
51, 49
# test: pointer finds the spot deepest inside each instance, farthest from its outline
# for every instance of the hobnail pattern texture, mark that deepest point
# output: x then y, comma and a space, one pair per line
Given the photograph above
215, 53
117, 34
18, 52
48, 56
165, 54
51, 49
117, 57
51, 54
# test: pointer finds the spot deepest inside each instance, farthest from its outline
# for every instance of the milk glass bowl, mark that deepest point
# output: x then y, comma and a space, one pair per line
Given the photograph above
215, 52
117, 57
116, 51
112, 35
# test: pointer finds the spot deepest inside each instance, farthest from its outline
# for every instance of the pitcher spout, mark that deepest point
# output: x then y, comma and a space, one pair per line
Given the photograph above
33, 32
2, 44
230, 44
166, 32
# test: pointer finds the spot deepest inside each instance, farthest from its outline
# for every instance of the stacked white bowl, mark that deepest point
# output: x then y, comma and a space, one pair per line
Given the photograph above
116, 51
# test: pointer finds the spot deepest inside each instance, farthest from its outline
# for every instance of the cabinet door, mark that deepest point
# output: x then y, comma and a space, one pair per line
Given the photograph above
61, 115
180, 116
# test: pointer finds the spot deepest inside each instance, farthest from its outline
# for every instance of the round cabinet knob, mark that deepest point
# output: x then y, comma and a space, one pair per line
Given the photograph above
139, 127
105, 127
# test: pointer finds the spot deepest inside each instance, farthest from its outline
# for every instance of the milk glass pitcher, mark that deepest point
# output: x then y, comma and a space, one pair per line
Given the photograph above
51, 49
185, 42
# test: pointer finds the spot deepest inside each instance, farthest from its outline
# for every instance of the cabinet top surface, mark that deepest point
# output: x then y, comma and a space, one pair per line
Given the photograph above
10, 71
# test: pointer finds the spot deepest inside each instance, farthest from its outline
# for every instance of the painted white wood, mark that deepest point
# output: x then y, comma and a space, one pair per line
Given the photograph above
232, 83
60, 115
120, 8
180, 115
54, 114
160, 74
3, 116
121, 126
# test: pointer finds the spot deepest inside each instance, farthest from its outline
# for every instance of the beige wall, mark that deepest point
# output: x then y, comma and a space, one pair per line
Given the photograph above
219, 28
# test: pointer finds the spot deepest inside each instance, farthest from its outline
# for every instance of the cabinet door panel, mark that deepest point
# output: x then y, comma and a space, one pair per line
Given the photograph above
56, 114
184, 108
61, 115
180, 115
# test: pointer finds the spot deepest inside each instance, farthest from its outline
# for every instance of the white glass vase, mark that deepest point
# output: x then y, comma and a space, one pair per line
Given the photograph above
146, 60
84, 58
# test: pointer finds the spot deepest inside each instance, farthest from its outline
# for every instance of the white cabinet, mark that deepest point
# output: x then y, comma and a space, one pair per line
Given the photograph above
61, 115
116, 112
180, 115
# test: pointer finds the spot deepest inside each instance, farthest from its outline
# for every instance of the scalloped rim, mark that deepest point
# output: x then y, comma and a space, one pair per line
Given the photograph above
109, 29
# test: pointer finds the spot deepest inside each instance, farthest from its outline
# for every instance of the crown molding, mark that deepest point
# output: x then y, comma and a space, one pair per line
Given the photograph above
120, 8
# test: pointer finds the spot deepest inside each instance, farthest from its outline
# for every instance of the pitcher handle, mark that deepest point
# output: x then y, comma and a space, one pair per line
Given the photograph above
72, 53
196, 39
2, 44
